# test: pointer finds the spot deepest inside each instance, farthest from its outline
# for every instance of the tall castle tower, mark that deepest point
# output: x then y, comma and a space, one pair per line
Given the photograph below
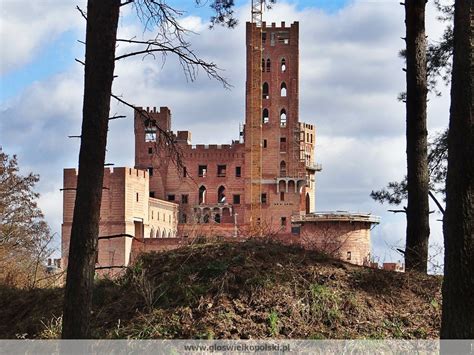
275, 141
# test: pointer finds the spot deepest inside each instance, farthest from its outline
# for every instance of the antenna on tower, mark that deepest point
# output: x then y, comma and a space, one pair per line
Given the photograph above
257, 9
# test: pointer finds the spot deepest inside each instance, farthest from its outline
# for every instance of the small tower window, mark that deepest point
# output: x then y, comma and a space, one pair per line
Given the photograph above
265, 91
283, 118
283, 65
265, 117
263, 65
283, 90
268, 64
282, 168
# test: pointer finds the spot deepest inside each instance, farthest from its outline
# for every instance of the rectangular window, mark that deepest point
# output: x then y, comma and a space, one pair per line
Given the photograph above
150, 150
264, 199
264, 143
152, 194
150, 135
349, 255
236, 199
171, 197
221, 170
202, 171
184, 199
152, 214
282, 196
137, 196
283, 221
238, 171
282, 144
150, 171
185, 172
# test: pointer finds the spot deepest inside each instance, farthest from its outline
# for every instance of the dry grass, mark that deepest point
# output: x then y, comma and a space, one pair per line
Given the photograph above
244, 290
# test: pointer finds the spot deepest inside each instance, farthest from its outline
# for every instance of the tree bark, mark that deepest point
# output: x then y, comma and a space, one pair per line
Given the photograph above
458, 285
102, 20
418, 229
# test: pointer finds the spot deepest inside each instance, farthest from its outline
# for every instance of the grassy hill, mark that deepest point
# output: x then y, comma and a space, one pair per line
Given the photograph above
253, 289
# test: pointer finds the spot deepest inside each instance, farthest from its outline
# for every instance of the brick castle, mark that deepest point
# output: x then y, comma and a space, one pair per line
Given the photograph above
159, 204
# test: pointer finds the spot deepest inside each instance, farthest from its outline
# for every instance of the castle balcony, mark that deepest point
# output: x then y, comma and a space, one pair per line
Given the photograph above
284, 182
314, 167
213, 212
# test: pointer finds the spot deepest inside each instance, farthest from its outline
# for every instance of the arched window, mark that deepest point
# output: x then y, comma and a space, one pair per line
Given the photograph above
268, 64
169, 234
163, 235
206, 218
283, 89
283, 118
202, 195
283, 65
263, 65
217, 218
282, 168
221, 194
158, 233
265, 117
265, 91
152, 233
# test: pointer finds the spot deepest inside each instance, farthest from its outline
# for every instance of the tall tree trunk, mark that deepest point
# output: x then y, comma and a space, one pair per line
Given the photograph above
418, 229
458, 286
102, 20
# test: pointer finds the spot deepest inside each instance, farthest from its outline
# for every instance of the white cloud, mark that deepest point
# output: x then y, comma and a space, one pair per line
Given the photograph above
28, 26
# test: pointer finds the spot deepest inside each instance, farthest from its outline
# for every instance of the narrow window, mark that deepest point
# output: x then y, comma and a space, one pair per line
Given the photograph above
184, 199
150, 171
349, 255
137, 196
283, 90
283, 118
283, 65
264, 199
282, 144
150, 150
238, 171
265, 91
265, 117
282, 196
236, 199
202, 195
263, 65
152, 214
202, 171
282, 168
221, 170
221, 194
283, 221
268, 64
171, 197
264, 143
185, 172
264, 37
183, 218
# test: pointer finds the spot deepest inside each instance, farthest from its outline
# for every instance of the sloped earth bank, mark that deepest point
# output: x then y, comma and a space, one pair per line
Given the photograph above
250, 290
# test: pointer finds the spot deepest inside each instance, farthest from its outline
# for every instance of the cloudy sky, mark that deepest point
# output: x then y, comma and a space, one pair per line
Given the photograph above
350, 76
